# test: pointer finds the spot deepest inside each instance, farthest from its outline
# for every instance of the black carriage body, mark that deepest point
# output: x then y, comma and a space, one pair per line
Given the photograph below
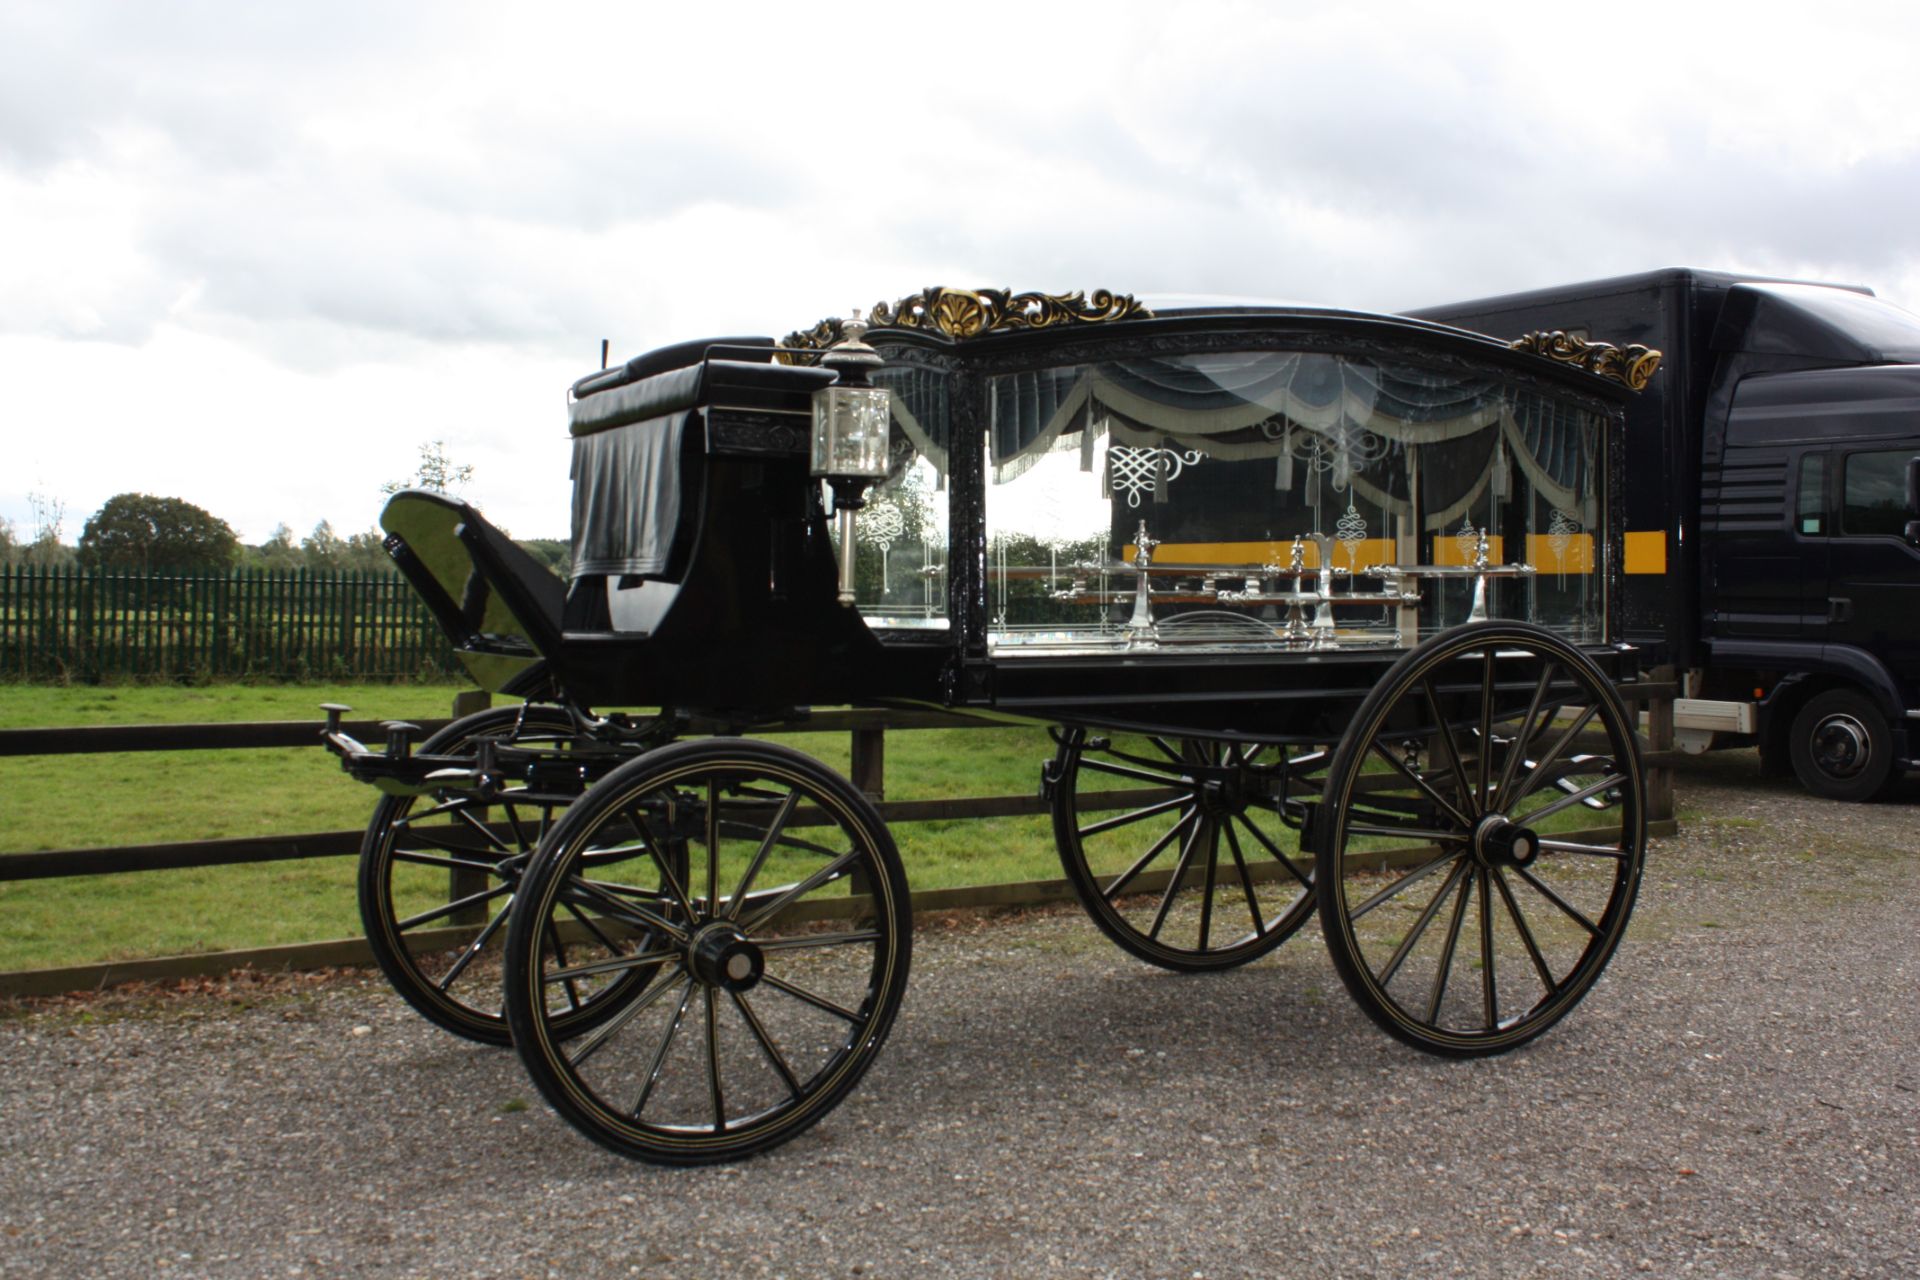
1252, 533
730, 608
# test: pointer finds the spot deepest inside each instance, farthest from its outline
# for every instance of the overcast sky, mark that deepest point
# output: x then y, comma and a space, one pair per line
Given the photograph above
254, 255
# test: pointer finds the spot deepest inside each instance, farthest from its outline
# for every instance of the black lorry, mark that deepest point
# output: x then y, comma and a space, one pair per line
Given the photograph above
1772, 551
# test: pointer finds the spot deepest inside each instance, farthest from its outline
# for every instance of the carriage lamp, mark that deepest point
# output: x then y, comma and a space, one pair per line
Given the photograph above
851, 419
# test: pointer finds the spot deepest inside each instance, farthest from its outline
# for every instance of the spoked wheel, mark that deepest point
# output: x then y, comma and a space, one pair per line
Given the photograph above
782, 941
1480, 839
438, 873
1175, 846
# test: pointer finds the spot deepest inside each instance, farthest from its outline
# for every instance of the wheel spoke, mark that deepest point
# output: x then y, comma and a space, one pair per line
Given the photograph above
513, 821
1557, 901
1486, 728
474, 948
486, 832
1426, 787
620, 964
832, 871
1206, 888
1518, 750
560, 954
592, 926
1573, 797
1395, 829
1166, 750
1179, 873
772, 1051
1526, 934
713, 1060
1419, 929
1108, 824
1126, 877
590, 1045
819, 940
805, 996
1586, 850
1412, 877
1138, 775
434, 860
1246, 880
1446, 952
713, 869
1537, 774
1488, 994
657, 853
1274, 849
1444, 732
622, 909
458, 904
779, 823
660, 1054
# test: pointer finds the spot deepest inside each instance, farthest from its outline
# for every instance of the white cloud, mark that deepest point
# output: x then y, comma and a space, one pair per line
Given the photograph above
259, 253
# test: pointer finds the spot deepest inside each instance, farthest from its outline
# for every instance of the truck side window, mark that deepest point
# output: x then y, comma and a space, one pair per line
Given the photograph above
1876, 493
1810, 507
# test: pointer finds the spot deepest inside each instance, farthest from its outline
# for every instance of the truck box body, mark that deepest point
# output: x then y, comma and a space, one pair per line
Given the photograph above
1767, 552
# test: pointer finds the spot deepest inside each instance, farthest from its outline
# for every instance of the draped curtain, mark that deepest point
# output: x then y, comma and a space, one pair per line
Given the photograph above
1240, 406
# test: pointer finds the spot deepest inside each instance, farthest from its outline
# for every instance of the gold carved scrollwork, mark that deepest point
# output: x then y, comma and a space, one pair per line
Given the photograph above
1633, 366
969, 313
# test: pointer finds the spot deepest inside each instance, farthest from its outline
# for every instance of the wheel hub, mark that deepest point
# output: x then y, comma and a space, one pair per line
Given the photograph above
721, 956
1841, 746
1498, 842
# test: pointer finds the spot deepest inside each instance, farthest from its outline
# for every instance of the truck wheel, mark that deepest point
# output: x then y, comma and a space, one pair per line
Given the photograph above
1842, 748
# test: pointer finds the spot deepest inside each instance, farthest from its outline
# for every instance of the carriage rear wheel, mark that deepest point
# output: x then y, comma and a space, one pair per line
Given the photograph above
1480, 839
437, 878
1175, 846
779, 954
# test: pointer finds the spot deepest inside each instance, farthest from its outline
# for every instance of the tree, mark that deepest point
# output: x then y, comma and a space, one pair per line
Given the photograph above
139, 531
324, 548
277, 552
46, 551
436, 472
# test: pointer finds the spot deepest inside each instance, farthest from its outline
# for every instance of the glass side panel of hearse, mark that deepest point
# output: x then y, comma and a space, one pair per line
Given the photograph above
900, 581
1266, 501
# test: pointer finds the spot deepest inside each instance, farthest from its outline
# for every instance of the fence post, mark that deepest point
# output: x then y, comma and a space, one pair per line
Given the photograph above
462, 882
1660, 742
869, 769
870, 762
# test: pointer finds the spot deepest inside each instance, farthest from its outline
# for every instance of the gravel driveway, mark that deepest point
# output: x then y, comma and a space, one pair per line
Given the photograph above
1739, 1097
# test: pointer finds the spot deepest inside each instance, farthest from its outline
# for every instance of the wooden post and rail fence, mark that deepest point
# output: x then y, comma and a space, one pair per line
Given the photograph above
867, 729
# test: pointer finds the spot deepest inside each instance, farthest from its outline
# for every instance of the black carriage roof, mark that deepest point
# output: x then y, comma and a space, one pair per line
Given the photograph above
687, 374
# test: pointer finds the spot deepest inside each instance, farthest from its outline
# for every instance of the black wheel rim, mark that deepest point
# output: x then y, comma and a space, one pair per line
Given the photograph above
1472, 896
1177, 847
777, 965
437, 882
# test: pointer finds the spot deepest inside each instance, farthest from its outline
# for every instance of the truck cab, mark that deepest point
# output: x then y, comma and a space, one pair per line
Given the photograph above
1773, 515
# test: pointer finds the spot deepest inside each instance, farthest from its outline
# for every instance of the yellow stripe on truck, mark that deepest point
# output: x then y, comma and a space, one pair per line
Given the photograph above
1646, 551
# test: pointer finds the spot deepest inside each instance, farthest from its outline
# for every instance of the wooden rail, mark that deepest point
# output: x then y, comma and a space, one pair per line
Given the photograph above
867, 728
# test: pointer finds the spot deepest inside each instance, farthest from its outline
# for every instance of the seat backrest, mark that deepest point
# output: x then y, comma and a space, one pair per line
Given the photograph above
500, 607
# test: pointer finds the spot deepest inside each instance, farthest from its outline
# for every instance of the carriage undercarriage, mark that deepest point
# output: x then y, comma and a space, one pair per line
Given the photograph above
698, 945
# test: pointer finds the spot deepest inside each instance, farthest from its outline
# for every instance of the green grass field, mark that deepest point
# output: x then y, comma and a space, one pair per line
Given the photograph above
80, 801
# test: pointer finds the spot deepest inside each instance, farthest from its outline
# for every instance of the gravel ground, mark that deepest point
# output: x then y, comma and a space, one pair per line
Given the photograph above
1739, 1097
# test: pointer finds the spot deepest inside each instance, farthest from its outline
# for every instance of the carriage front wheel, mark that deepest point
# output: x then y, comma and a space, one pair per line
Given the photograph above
1479, 839
776, 950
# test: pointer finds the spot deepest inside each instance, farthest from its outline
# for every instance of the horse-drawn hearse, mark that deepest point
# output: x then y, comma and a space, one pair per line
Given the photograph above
1320, 606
